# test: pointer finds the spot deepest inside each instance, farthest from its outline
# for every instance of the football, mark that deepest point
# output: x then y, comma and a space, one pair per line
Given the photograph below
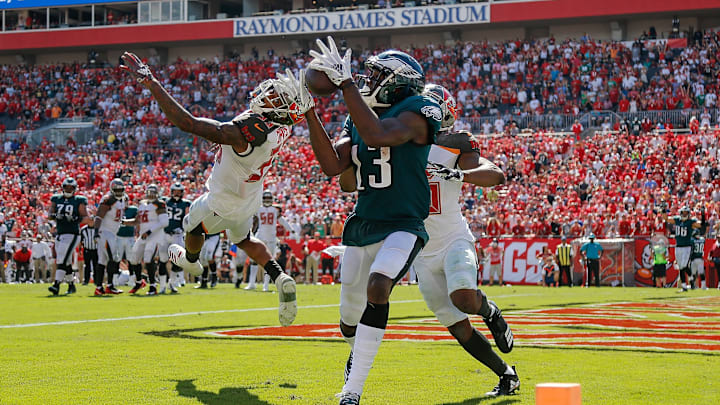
318, 83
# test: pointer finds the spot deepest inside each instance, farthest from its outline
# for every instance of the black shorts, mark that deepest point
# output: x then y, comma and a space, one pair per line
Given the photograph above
659, 270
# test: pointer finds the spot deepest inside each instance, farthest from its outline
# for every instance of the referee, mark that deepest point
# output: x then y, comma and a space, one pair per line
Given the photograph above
592, 252
89, 252
564, 259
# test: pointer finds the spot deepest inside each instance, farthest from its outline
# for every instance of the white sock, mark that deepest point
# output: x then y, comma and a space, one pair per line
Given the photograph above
235, 277
703, 284
253, 274
132, 280
181, 277
59, 275
350, 341
163, 282
367, 343
509, 370
266, 281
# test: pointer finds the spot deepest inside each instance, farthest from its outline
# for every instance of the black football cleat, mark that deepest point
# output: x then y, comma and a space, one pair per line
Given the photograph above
508, 384
71, 289
55, 290
500, 330
349, 398
173, 290
112, 290
203, 285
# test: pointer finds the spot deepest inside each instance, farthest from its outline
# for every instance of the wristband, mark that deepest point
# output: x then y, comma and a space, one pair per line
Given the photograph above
347, 84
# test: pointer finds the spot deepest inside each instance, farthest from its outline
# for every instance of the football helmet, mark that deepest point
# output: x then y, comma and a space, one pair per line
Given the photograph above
275, 100
392, 77
447, 102
117, 187
152, 192
267, 198
685, 212
69, 186
177, 190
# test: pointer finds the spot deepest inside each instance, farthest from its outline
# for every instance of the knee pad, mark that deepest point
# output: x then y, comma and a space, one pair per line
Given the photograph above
352, 304
460, 266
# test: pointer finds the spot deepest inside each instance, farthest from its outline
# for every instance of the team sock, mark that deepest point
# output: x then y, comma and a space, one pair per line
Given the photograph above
213, 272
59, 276
163, 274
350, 339
136, 269
266, 281
368, 336
99, 275
151, 273
253, 274
272, 268
479, 347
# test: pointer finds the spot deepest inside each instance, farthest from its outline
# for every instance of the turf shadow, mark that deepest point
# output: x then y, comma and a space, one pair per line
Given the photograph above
227, 395
479, 400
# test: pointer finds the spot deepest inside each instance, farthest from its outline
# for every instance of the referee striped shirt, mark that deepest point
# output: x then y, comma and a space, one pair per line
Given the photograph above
564, 253
87, 234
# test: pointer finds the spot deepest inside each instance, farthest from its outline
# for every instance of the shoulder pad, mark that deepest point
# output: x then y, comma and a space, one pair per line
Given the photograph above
462, 140
109, 199
254, 128
55, 197
159, 203
82, 199
347, 127
426, 107
188, 202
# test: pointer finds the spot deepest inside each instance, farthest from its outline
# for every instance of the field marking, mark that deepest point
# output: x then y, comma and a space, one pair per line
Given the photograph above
131, 318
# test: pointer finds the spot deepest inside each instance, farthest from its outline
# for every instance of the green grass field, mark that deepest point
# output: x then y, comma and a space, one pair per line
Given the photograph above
160, 350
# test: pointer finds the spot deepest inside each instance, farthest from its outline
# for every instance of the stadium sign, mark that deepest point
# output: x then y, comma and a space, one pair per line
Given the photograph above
386, 18
13, 4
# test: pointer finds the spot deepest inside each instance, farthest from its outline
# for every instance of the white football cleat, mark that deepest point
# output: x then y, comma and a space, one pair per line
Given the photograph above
177, 256
286, 294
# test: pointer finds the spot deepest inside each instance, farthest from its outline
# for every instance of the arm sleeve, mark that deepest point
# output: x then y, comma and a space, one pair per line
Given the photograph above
163, 221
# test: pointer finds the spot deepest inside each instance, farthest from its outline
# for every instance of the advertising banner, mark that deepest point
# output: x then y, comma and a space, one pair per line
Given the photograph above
353, 20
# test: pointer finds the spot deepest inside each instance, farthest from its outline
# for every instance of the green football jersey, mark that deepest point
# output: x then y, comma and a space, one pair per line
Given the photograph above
69, 211
683, 231
126, 231
176, 212
393, 190
698, 248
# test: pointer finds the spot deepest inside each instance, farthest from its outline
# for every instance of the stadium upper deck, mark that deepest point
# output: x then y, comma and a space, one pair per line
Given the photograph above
48, 31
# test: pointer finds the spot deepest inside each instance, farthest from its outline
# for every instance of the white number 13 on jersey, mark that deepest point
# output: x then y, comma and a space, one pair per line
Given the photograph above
383, 161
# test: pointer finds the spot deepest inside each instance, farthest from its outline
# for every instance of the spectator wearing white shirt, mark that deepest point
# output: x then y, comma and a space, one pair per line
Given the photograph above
41, 254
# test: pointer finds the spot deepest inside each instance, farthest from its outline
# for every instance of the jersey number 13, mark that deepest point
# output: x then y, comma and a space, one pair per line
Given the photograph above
381, 180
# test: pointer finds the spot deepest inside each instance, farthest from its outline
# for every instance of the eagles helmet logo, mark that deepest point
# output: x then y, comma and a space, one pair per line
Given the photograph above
433, 112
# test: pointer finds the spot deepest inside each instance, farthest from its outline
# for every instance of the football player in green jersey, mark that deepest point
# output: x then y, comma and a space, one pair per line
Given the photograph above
69, 211
387, 138
683, 226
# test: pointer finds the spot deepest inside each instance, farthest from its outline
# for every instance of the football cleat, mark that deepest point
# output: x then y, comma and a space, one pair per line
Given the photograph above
348, 367
499, 328
203, 285
162, 291
213, 280
173, 290
55, 290
99, 290
71, 289
509, 383
349, 398
177, 256
250, 287
286, 294
151, 291
138, 286
112, 290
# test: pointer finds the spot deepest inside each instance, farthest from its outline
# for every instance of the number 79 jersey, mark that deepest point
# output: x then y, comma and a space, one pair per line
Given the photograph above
393, 191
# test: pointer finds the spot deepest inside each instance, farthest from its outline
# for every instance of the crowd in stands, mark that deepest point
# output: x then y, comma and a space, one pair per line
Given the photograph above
610, 184
508, 79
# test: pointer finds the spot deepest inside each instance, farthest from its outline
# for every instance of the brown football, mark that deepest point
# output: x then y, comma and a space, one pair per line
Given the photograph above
318, 83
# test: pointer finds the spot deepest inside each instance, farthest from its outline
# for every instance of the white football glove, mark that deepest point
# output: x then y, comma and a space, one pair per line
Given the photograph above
303, 98
445, 173
136, 67
329, 61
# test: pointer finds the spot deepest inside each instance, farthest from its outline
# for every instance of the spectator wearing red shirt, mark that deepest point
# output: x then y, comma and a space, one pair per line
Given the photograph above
312, 250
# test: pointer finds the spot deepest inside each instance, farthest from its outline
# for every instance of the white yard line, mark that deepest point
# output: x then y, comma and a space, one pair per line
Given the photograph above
131, 318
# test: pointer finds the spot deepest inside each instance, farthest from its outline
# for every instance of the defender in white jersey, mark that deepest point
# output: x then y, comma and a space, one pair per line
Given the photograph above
268, 217
152, 218
448, 267
107, 224
248, 145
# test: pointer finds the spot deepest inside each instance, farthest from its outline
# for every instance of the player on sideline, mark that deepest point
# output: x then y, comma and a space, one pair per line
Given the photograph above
268, 218
107, 224
248, 146
177, 208
126, 244
210, 252
152, 218
70, 211
683, 226
447, 265
387, 137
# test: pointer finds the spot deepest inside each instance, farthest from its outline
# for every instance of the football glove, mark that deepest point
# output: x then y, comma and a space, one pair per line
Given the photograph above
328, 60
445, 173
136, 67
303, 97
